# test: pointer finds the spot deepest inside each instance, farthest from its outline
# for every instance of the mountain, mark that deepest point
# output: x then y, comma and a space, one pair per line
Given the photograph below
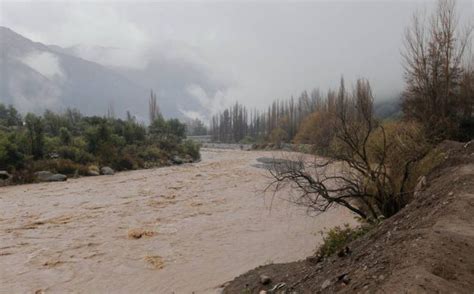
180, 76
35, 77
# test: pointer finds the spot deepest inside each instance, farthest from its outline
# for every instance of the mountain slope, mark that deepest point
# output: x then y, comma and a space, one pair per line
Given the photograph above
173, 70
35, 77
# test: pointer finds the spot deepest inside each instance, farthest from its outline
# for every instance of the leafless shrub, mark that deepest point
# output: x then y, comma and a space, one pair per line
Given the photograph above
359, 176
436, 80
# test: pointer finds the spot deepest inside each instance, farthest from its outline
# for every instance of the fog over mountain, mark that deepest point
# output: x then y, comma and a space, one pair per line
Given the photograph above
199, 57
38, 77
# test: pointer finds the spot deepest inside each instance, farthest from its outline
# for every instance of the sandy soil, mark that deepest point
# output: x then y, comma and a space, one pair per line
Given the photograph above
176, 229
425, 248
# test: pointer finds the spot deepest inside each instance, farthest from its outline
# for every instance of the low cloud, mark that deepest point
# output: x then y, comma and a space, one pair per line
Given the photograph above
46, 95
112, 56
40, 89
297, 45
47, 64
213, 103
193, 115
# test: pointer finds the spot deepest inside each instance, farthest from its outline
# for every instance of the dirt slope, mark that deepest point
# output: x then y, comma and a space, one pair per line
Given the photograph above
426, 248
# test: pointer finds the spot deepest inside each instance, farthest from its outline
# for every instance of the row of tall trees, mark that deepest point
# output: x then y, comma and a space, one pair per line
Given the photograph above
281, 120
379, 162
439, 74
439, 92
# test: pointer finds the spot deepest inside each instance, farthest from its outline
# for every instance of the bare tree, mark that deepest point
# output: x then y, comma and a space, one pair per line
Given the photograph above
357, 177
466, 99
434, 49
235, 123
153, 108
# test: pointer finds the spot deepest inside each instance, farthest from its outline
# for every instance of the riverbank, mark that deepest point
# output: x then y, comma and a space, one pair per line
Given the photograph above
425, 248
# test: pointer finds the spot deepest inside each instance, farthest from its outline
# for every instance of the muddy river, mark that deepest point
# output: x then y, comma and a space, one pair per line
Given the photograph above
177, 229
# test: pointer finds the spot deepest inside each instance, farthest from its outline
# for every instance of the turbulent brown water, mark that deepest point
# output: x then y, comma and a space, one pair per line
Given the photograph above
203, 224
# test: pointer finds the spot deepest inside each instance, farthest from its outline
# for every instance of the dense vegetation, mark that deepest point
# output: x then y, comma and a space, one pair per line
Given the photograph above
70, 143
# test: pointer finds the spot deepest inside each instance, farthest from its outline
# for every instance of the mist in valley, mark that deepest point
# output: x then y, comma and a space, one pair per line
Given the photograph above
199, 57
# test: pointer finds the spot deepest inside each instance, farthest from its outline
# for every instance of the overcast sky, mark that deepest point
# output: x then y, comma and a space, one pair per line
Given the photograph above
259, 50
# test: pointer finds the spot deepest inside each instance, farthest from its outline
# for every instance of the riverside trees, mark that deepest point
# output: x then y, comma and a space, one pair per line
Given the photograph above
69, 142
281, 120
370, 169
378, 163
439, 74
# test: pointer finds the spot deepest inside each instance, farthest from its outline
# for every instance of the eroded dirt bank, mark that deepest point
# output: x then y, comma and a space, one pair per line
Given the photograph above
176, 229
428, 247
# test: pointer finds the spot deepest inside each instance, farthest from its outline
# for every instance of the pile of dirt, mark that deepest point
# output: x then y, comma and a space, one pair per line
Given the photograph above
426, 248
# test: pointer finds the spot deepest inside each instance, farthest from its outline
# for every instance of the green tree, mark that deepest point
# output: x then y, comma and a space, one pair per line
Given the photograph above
35, 128
167, 133
97, 136
65, 136
9, 116
53, 123
10, 156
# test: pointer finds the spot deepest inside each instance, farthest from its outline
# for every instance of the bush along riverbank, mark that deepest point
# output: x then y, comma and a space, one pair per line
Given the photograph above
55, 146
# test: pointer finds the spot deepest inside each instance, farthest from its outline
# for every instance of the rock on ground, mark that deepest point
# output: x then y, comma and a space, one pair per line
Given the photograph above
93, 171
107, 171
47, 176
57, 178
43, 176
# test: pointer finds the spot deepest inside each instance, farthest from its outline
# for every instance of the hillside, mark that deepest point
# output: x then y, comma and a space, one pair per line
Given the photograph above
425, 248
35, 77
